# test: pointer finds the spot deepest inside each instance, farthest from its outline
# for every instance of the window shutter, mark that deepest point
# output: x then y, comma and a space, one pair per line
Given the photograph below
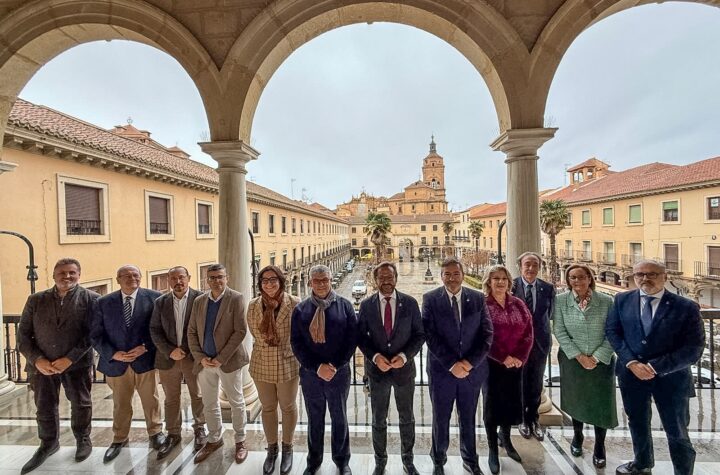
82, 203
204, 215
158, 210
670, 205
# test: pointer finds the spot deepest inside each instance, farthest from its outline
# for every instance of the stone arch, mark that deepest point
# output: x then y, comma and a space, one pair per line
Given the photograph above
39, 31
477, 31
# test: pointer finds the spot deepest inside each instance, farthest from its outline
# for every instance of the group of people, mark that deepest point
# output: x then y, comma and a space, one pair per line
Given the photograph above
495, 342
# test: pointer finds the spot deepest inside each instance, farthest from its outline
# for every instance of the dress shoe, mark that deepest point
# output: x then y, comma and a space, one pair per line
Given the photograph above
207, 450
113, 451
525, 430
84, 449
310, 470
241, 452
270, 458
538, 431
576, 448
631, 469
509, 448
599, 462
170, 442
157, 440
410, 469
473, 469
345, 470
200, 438
379, 470
438, 470
494, 461
286, 459
40, 455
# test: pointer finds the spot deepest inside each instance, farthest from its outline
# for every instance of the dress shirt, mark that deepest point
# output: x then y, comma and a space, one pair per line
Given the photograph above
179, 306
458, 296
393, 310
133, 297
654, 304
533, 291
219, 296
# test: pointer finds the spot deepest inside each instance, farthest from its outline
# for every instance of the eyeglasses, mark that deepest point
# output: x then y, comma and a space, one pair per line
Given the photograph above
578, 277
270, 280
129, 276
499, 279
321, 281
216, 277
649, 275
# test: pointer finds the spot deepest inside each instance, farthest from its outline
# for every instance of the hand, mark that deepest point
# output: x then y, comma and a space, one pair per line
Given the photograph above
459, 371
61, 364
216, 363
137, 352
512, 362
207, 362
123, 357
326, 372
45, 367
382, 363
466, 364
642, 371
587, 362
397, 362
177, 354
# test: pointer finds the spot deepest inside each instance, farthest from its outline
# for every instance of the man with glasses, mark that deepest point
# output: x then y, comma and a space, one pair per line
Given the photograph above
173, 360
323, 336
215, 334
657, 335
121, 335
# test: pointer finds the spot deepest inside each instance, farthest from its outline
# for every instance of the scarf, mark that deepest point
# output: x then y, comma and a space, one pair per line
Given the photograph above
583, 301
268, 325
317, 325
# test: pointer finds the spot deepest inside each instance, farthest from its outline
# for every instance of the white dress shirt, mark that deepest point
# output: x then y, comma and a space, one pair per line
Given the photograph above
393, 310
533, 291
458, 296
133, 298
179, 307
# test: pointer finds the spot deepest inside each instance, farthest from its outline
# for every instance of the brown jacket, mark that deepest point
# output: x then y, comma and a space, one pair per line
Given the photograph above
272, 364
162, 328
229, 332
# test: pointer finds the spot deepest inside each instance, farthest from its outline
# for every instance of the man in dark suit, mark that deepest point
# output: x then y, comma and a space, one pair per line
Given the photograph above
390, 335
121, 335
173, 360
539, 296
657, 336
459, 333
53, 337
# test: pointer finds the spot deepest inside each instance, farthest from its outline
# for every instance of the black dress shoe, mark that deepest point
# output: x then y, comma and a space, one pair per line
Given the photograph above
113, 451
379, 470
157, 440
438, 470
270, 458
311, 470
494, 461
286, 459
40, 455
345, 470
474, 469
410, 469
512, 453
525, 430
599, 462
576, 448
84, 449
538, 431
631, 469
170, 442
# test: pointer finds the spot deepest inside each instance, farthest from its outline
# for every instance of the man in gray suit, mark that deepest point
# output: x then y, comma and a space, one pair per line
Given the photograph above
54, 337
173, 360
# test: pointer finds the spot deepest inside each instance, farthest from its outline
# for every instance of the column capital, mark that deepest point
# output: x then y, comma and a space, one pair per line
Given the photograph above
231, 155
519, 144
6, 166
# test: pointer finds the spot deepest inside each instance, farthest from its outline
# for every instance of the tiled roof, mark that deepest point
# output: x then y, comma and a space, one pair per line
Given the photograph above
409, 218
590, 162
492, 210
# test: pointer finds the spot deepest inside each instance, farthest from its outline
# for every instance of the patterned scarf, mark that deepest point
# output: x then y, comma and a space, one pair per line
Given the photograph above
268, 325
317, 325
583, 301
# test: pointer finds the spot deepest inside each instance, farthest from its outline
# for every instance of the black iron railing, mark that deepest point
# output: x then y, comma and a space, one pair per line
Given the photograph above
83, 227
159, 228
707, 270
607, 258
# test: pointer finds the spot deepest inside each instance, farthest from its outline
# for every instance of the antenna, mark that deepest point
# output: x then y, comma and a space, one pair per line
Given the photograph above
292, 188
565, 174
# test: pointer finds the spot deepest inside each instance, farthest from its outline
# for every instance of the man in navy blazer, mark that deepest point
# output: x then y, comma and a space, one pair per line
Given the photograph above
657, 336
121, 335
459, 333
539, 296
390, 334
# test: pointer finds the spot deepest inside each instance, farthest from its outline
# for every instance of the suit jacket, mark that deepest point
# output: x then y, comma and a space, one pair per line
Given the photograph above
273, 364
544, 305
162, 328
675, 341
110, 334
229, 331
580, 332
448, 345
45, 333
408, 335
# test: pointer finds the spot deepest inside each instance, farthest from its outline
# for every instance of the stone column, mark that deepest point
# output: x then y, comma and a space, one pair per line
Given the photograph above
523, 218
233, 238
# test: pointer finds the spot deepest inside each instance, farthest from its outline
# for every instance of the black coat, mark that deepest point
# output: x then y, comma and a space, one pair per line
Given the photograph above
544, 307
162, 328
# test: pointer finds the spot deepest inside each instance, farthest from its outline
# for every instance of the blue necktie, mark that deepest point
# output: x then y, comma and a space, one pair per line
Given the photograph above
529, 300
127, 311
646, 316
456, 311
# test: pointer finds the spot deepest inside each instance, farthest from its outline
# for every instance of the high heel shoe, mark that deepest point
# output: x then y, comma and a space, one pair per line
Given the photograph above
576, 446
599, 462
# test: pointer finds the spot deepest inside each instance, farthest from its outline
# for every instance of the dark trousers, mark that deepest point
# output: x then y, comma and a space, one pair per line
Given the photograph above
672, 402
319, 395
77, 384
446, 390
380, 402
532, 384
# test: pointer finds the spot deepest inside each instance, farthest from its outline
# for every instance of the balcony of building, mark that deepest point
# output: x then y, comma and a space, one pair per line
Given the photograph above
707, 270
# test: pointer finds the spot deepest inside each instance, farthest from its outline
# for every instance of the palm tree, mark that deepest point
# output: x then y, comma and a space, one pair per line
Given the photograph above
553, 219
476, 229
378, 227
447, 228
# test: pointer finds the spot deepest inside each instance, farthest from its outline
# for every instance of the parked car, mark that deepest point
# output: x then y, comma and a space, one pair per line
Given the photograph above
706, 376
359, 288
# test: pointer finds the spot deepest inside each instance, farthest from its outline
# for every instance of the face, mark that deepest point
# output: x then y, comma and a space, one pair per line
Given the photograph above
579, 281
217, 280
270, 283
386, 280
529, 268
66, 277
129, 279
179, 281
320, 284
499, 283
452, 276
649, 277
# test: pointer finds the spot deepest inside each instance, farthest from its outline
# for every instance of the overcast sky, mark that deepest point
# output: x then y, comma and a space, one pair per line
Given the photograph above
354, 108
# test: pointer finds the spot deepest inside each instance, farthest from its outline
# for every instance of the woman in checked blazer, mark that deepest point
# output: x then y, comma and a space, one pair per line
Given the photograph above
273, 365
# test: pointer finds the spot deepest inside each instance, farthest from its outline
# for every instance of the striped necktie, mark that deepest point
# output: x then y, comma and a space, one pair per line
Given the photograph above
127, 311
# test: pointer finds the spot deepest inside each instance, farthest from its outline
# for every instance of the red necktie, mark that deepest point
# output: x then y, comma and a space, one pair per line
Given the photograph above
388, 317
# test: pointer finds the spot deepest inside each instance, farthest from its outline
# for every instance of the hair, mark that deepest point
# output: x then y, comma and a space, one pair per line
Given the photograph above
215, 267
67, 261
654, 262
490, 271
278, 272
528, 254
319, 269
452, 260
179, 268
583, 267
128, 266
384, 264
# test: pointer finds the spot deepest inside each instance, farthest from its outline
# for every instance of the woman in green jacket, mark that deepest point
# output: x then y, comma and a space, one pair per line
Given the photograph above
586, 359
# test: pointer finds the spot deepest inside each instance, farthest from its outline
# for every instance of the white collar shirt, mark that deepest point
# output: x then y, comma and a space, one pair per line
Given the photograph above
393, 306
654, 303
533, 291
458, 296
179, 307
222, 294
133, 298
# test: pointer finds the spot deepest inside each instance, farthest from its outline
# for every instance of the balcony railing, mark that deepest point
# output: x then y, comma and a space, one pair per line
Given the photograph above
607, 258
77, 227
629, 260
707, 270
566, 254
203, 229
583, 256
159, 228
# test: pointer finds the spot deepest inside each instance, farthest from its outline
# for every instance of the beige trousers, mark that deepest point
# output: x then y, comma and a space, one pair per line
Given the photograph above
171, 380
123, 387
284, 394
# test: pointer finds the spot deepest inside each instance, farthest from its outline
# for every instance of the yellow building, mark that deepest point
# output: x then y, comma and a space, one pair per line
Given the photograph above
114, 197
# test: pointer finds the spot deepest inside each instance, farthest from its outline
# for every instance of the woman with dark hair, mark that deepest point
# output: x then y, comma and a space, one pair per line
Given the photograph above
586, 359
273, 365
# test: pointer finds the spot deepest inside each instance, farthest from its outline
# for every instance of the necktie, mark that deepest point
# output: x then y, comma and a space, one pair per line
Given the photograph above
646, 315
387, 321
127, 311
456, 311
529, 298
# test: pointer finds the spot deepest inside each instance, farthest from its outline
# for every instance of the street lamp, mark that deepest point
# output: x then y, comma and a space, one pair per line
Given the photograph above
428, 272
